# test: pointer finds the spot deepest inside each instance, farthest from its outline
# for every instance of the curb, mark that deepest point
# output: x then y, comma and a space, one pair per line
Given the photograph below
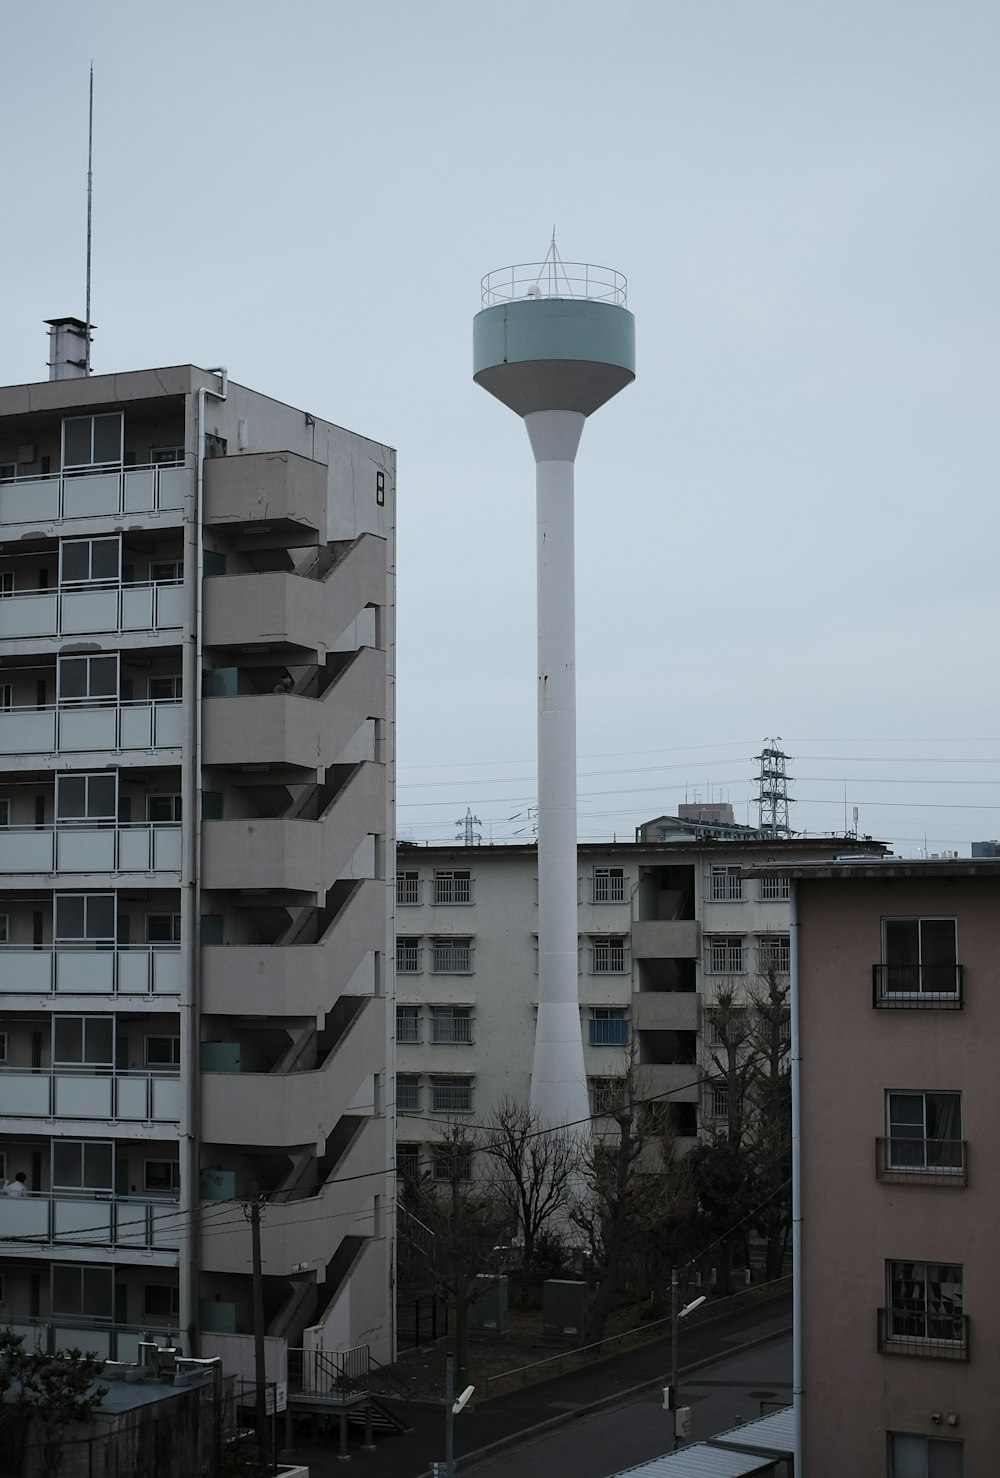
606, 1403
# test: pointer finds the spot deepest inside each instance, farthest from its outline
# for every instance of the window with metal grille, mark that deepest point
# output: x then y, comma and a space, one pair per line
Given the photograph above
608, 1027
606, 1095
407, 1093
451, 1095
407, 1023
719, 1103
725, 954
608, 885
925, 1132
407, 956
925, 1301
451, 1024
609, 956
919, 956
727, 1025
452, 956
453, 887
773, 953
407, 889
727, 885
408, 1161
773, 890
450, 1162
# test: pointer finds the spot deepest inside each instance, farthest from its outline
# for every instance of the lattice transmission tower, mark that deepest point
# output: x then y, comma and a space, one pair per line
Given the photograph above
772, 797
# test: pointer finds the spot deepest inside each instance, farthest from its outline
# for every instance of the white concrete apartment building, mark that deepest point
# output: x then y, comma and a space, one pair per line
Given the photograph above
196, 771
661, 925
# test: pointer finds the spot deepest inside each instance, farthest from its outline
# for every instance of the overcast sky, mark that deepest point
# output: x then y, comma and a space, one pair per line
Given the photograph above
787, 526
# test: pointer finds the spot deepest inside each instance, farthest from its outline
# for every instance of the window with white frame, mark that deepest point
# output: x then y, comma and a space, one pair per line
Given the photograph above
83, 1165
609, 955
608, 1027
163, 1177
727, 1025
451, 1162
407, 955
925, 1302
165, 689
451, 1024
93, 441
407, 1023
90, 561
452, 956
83, 1041
166, 571
452, 886
163, 809
407, 889
924, 1131
773, 954
85, 918
920, 956
727, 885
724, 954
915, 1456
606, 1095
161, 1301
87, 679
87, 799
773, 890
407, 1093
83, 1289
163, 1051
451, 1094
608, 885
163, 928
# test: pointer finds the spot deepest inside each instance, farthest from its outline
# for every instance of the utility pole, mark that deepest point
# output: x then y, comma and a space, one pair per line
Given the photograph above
260, 1388
449, 1407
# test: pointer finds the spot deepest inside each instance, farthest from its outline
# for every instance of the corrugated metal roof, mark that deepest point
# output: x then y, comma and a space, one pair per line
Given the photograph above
774, 1433
745, 1453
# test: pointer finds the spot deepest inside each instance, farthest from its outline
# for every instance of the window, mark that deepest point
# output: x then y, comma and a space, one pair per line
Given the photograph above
93, 441
728, 1026
919, 957
912, 1456
4, 812
165, 689
82, 1291
719, 1102
407, 1093
727, 885
725, 954
6, 582
161, 1301
380, 488
3, 1046
407, 889
609, 956
773, 954
163, 809
407, 1023
90, 561
924, 1132
87, 798
452, 956
773, 890
166, 571
608, 1027
82, 1165
451, 1024
163, 1051
407, 956
924, 1313
606, 1095
85, 918
87, 679
453, 887
166, 456
451, 1095
450, 1162
609, 885
6, 697
163, 928
161, 1176
408, 1161
83, 1041
4, 928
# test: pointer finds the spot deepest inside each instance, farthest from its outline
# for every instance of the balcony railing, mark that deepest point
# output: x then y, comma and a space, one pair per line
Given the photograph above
93, 1219
81, 727
97, 494
84, 610
609, 959
918, 987
407, 1098
455, 959
451, 1029
902, 1332
608, 1032
82, 970
90, 1093
607, 889
921, 1161
408, 1029
83, 848
450, 1098
109, 1341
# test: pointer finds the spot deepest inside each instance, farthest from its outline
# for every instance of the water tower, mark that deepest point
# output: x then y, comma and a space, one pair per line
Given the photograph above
554, 341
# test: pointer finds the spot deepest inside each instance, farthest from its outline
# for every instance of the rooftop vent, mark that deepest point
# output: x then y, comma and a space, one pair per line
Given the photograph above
68, 339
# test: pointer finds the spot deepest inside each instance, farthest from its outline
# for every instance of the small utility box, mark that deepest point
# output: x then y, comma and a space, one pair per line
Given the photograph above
488, 1309
564, 1304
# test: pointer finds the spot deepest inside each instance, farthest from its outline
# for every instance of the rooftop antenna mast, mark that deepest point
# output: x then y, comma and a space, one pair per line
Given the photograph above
90, 212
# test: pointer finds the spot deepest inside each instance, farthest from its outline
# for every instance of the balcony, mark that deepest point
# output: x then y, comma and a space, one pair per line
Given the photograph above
937, 1162
95, 1220
89, 1093
269, 495
676, 1011
42, 501
65, 969
918, 987
929, 1337
96, 610
81, 728
90, 850
666, 939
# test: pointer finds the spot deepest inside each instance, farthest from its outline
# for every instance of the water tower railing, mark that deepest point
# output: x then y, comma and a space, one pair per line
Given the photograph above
548, 279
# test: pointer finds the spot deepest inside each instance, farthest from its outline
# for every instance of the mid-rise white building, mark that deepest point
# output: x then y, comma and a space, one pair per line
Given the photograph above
196, 770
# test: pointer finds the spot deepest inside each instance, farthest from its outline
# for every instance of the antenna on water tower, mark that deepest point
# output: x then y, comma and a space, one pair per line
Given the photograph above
554, 341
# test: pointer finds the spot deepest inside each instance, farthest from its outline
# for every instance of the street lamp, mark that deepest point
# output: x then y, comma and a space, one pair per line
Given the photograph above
676, 1315
452, 1407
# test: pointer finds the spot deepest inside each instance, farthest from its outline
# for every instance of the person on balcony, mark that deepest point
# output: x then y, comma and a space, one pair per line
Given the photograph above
18, 1186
